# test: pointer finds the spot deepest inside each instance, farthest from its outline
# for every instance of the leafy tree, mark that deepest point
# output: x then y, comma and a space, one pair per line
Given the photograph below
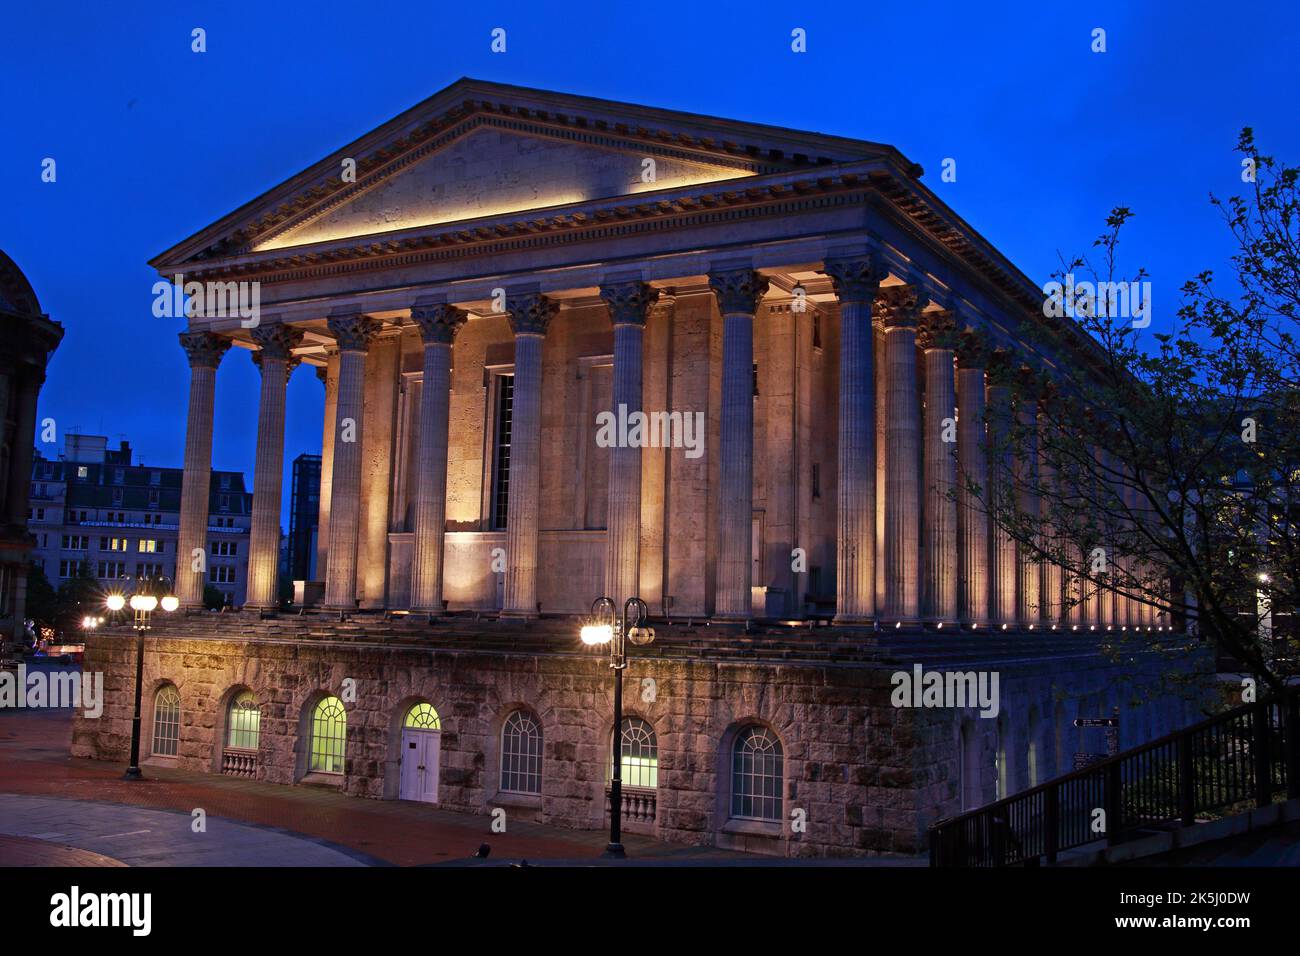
1166, 467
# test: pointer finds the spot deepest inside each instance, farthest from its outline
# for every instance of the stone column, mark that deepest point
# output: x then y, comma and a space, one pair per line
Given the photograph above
205, 351
899, 307
439, 323
1002, 559
857, 281
629, 306
1051, 570
972, 468
275, 343
738, 293
352, 334
937, 334
530, 316
1029, 589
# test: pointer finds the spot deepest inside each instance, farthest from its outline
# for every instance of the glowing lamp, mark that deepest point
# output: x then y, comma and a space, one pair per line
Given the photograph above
115, 602
594, 634
170, 603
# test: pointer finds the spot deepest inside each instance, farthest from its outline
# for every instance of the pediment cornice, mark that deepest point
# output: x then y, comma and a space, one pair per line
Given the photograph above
750, 149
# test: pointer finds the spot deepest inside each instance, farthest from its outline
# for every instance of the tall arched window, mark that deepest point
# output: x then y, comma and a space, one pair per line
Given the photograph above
757, 771
422, 716
166, 721
521, 754
244, 722
329, 734
639, 754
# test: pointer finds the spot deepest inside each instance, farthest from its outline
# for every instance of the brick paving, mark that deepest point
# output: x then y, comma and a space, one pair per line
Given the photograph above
34, 760
28, 851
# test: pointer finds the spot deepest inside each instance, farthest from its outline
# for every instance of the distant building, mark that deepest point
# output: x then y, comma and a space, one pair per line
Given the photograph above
27, 338
304, 517
95, 506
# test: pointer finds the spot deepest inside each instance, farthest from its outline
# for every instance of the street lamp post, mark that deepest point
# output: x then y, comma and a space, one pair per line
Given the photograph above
143, 603
607, 627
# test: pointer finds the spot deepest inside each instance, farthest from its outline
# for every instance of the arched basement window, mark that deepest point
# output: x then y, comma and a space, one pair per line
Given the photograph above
639, 754
521, 754
244, 723
166, 721
422, 716
757, 771
329, 732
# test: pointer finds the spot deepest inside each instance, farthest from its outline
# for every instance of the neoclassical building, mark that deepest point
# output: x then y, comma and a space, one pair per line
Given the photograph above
814, 342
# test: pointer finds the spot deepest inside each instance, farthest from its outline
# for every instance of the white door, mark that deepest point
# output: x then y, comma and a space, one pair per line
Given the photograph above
419, 777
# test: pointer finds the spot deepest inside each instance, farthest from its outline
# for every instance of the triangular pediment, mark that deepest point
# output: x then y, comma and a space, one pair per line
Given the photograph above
478, 149
492, 170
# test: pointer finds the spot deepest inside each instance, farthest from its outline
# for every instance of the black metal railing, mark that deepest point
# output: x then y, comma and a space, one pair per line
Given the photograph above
1242, 756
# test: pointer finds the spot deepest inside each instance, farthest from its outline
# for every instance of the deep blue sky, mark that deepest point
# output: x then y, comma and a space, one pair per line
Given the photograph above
154, 142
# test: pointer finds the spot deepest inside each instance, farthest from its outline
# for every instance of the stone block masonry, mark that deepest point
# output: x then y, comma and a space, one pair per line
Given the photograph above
866, 776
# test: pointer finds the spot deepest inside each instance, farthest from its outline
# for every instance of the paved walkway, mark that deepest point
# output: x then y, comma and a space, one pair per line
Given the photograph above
34, 762
134, 836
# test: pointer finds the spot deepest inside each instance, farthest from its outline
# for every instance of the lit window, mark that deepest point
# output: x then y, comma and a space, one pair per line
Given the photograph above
166, 721
423, 717
756, 775
521, 754
329, 732
245, 723
639, 754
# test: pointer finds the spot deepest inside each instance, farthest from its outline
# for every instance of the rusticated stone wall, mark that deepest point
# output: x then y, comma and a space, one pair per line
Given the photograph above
868, 777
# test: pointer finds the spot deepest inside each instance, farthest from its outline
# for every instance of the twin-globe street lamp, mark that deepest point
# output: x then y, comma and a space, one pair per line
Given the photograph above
607, 627
143, 601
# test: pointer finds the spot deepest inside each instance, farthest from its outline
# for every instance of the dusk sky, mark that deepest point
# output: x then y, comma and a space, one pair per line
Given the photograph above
153, 142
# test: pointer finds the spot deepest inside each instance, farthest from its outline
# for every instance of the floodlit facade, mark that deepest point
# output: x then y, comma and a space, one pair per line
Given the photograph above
571, 348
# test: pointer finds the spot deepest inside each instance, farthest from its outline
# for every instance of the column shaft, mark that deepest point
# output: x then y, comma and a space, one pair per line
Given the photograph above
973, 522
855, 542
1029, 591
629, 304
353, 334
264, 537
1002, 562
940, 487
205, 351
902, 478
438, 325
738, 293
530, 316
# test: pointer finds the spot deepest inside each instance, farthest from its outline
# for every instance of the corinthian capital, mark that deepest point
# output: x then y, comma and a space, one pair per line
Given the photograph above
530, 313
937, 330
276, 341
204, 349
899, 306
438, 322
738, 290
971, 350
353, 331
857, 278
629, 302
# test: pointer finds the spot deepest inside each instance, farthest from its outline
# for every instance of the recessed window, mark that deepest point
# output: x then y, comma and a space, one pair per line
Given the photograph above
505, 394
521, 754
639, 754
166, 721
244, 726
757, 771
329, 732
